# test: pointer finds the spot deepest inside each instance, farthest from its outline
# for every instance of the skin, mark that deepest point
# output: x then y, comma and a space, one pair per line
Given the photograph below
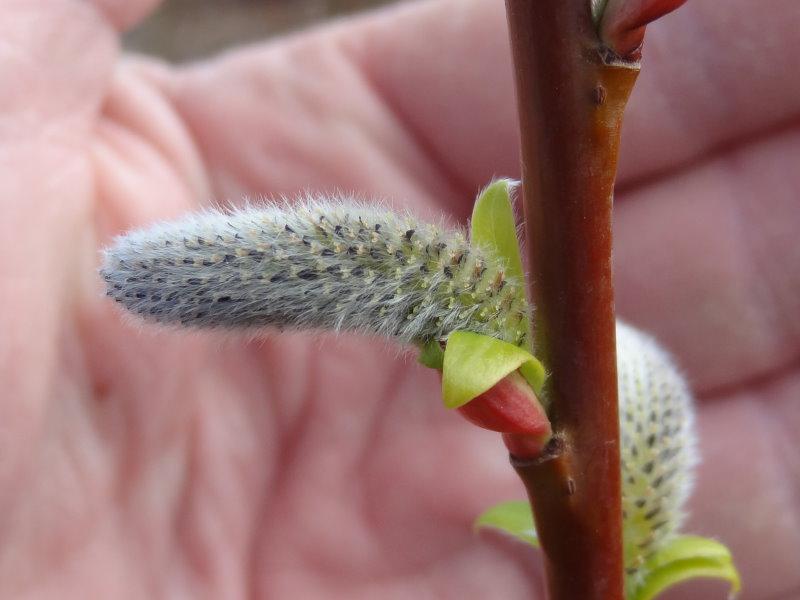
136, 462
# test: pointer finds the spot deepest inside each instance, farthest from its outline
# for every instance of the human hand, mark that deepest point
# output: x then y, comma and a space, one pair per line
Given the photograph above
143, 463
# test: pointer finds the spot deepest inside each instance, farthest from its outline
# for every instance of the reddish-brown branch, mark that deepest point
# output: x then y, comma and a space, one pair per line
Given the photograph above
570, 106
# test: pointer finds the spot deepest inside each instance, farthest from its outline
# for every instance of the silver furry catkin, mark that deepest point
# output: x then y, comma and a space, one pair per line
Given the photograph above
330, 265
658, 447
315, 265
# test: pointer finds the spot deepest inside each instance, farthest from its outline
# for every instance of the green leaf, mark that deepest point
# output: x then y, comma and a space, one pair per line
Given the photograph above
686, 557
493, 225
431, 355
513, 518
473, 363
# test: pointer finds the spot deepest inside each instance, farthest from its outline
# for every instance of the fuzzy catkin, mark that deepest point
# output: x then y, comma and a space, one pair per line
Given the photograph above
658, 446
316, 265
336, 266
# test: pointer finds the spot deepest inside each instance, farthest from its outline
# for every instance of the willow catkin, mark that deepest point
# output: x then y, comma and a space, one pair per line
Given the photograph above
315, 265
658, 446
345, 267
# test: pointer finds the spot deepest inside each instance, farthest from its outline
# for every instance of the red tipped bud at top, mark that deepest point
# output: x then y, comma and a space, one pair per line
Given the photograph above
623, 23
512, 408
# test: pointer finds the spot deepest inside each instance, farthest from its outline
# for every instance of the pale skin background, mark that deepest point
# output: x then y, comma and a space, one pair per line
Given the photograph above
141, 464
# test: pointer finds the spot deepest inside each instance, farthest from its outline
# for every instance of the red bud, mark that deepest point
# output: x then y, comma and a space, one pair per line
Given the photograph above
623, 23
512, 408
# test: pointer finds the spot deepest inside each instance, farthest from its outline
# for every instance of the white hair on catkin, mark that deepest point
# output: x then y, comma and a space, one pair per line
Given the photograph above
317, 264
658, 446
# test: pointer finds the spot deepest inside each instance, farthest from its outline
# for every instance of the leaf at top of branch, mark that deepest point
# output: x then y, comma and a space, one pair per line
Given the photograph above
513, 518
622, 23
683, 558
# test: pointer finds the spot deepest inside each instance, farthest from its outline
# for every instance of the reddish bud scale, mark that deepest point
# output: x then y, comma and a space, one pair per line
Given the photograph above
624, 21
512, 408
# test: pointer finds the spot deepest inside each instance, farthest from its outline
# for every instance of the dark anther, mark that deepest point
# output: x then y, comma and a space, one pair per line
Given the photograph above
306, 241
201, 241
334, 270
257, 254
448, 272
374, 253
207, 263
194, 281
237, 236
224, 299
327, 252
648, 467
278, 277
188, 261
308, 274
289, 229
229, 258
141, 295
338, 230
640, 502
200, 315
649, 515
377, 226
358, 271
352, 250
409, 235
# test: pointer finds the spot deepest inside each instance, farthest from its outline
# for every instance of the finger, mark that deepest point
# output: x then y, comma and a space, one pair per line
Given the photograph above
418, 101
53, 60
299, 116
746, 493
710, 262
124, 14
146, 164
709, 78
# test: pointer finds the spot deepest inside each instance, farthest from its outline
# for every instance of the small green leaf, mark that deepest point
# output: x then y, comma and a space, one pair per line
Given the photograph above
493, 225
513, 518
686, 557
473, 363
431, 355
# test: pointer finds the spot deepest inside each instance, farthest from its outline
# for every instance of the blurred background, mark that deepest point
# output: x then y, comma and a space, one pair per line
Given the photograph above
182, 30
